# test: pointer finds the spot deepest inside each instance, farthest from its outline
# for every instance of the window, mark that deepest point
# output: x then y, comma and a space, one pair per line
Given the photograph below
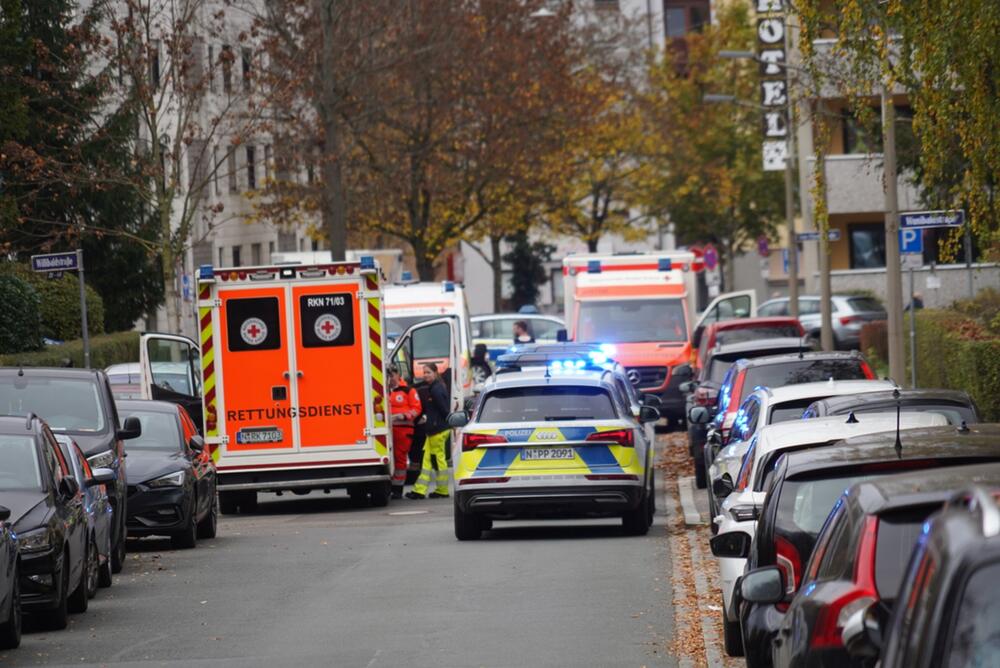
270, 250
676, 21
222, 259
237, 260
681, 17
838, 560
897, 534
746, 420
231, 165
433, 342
482, 329
215, 170
267, 162
632, 321
777, 308
559, 402
256, 251
727, 309
19, 463
975, 641
867, 245
544, 329
68, 404
804, 371
808, 306
160, 431
247, 62
226, 57
556, 281
251, 168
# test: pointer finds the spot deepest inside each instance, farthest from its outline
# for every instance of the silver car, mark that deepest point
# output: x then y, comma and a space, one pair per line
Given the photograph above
849, 314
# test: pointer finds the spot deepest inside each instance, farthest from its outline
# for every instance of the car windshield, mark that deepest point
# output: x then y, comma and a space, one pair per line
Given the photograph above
549, 403
631, 321
66, 404
897, 534
396, 326
975, 641
955, 415
755, 333
160, 431
19, 468
806, 370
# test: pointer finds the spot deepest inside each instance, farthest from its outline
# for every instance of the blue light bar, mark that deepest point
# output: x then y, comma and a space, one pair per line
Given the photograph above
598, 358
367, 262
608, 349
406, 276
448, 286
205, 272
593, 266
663, 264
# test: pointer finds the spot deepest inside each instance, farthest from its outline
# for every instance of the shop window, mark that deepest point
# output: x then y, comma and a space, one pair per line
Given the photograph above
867, 244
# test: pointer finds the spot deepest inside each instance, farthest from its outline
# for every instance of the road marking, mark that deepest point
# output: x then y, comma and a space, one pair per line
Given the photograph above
409, 512
685, 488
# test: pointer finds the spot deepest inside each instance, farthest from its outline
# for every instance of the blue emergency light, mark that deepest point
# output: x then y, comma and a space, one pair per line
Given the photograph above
663, 264
448, 286
205, 272
593, 266
406, 276
367, 262
559, 365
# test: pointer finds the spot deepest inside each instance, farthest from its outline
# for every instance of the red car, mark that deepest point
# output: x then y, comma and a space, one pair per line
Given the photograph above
739, 330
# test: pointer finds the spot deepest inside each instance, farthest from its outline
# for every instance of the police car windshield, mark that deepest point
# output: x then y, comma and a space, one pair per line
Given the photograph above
66, 404
631, 321
160, 431
19, 464
547, 403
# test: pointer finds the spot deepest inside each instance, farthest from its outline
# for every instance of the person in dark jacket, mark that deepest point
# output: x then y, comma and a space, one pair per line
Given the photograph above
435, 462
521, 333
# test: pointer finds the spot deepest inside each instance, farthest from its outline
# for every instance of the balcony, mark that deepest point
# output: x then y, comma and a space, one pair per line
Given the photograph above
854, 185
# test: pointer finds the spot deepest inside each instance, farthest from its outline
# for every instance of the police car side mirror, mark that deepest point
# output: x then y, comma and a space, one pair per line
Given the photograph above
699, 415
682, 373
648, 414
458, 419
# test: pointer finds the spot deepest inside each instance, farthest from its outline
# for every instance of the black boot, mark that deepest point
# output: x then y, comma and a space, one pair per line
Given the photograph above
397, 491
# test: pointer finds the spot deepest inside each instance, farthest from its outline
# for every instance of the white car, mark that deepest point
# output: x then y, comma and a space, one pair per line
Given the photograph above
739, 508
766, 406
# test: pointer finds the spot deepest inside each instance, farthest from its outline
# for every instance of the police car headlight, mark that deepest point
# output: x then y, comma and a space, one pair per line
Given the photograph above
34, 541
102, 460
175, 479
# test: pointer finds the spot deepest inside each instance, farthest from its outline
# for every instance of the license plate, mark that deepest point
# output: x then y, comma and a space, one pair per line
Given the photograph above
255, 435
532, 454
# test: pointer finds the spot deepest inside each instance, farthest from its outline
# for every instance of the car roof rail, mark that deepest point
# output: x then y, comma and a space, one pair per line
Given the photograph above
981, 501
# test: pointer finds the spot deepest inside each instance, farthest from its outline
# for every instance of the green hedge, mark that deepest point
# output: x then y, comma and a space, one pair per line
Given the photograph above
105, 350
59, 306
19, 326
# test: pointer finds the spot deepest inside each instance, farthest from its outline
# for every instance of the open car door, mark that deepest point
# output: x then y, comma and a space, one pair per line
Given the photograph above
727, 306
434, 341
170, 370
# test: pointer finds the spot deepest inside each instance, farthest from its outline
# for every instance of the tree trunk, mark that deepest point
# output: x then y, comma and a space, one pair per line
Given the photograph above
496, 264
334, 205
592, 244
425, 261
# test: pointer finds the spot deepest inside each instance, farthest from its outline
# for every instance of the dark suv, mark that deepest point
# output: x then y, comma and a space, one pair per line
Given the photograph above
78, 402
948, 612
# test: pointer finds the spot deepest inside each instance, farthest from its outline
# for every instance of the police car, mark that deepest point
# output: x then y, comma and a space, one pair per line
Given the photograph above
553, 440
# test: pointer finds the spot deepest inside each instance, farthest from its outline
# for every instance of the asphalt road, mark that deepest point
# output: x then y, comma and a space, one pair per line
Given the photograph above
308, 581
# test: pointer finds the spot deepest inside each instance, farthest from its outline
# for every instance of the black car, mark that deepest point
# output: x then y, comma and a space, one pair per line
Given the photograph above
704, 389
951, 612
860, 559
171, 477
955, 405
48, 515
802, 491
77, 402
10, 586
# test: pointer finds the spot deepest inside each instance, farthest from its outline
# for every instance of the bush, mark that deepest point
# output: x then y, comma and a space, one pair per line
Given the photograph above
19, 326
59, 308
105, 350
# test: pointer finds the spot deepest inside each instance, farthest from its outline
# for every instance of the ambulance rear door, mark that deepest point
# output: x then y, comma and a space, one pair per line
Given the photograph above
434, 341
170, 370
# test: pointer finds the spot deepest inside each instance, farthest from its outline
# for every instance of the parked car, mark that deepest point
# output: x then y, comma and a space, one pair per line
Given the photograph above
849, 314
803, 490
496, 331
769, 405
100, 514
125, 380
741, 501
48, 516
79, 403
741, 330
10, 585
956, 405
704, 389
951, 612
860, 559
171, 478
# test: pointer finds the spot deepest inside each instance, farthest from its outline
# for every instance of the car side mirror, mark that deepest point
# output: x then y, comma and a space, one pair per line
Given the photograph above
722, 487
649, 414
68, 487
562, 336
651, 400
862, 634
688, 387
696, 336
101, 477
196, 443
131, 429
731, 545
458, 419
4, 513
469, 403
699, 415
763, 586
682, 373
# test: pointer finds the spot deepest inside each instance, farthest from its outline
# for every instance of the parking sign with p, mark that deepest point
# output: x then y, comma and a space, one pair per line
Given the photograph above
911, 241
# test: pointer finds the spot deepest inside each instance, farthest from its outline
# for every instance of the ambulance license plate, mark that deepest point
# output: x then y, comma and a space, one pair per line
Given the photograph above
255, 435
532, 454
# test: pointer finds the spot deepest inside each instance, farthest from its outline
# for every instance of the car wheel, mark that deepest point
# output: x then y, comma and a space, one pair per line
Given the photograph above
93, 568
359, 496
79, 601
732, 639
209, 526
58, 617
10, 631
380, 492
467, 525
104, 574
187, 538
700, 480
636, 522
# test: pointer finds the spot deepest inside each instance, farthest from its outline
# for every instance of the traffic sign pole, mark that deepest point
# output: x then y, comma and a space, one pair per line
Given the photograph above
83, 309
913, 333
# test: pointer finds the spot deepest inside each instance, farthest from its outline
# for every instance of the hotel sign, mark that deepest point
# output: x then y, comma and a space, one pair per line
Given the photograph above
772, 54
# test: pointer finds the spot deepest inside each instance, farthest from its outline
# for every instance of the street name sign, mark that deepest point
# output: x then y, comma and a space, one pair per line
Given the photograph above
929, 219
832, 235
55, 262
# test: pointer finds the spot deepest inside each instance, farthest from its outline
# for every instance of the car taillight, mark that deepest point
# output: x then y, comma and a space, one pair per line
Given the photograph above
704, 396
790, 563
832, 618
848, 319
473, 441
620, 436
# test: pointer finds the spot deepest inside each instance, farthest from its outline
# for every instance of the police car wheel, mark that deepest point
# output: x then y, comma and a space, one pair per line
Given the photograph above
467, 525
636, 522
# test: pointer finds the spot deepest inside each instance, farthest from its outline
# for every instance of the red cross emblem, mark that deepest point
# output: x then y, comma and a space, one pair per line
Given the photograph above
253, 331
327, 327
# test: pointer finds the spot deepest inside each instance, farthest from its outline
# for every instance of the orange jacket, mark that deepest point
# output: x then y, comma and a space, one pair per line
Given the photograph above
404, 401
